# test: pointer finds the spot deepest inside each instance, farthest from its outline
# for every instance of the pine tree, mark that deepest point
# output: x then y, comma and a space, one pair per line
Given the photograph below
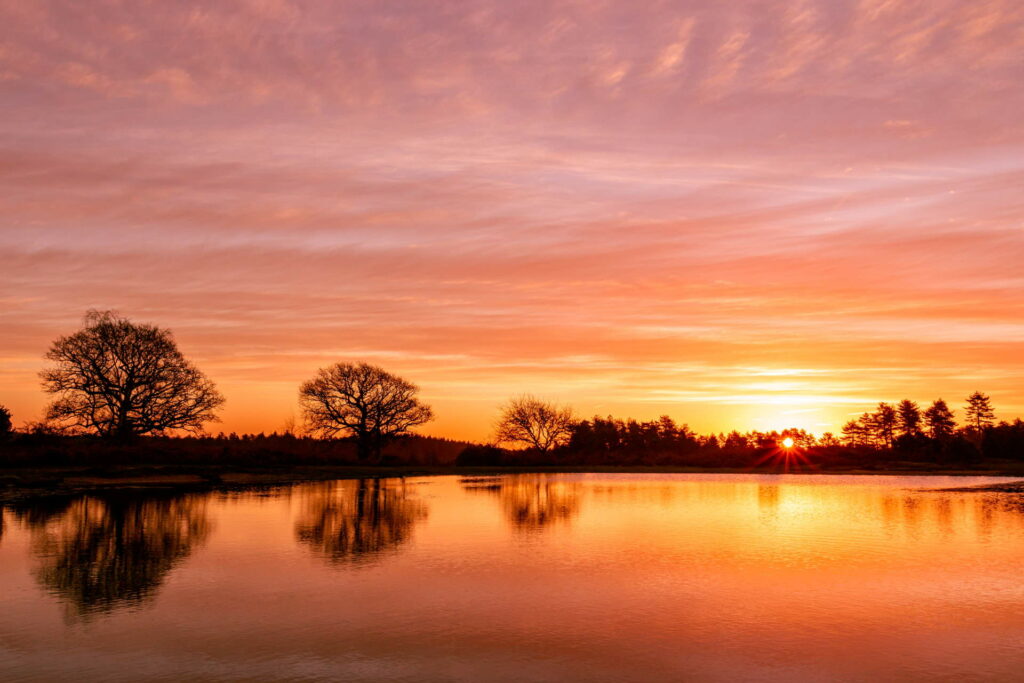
858, 432
979, 411
884, 422
908, 417
939, 419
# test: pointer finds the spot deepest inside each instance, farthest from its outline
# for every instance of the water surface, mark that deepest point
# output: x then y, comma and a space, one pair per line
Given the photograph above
520, 578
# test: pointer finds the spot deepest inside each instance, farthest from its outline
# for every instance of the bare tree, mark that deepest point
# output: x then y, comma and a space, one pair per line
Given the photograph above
536, 423
363, 401
118, 378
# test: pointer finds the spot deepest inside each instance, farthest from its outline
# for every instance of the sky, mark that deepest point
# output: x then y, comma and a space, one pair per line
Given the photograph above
748, 214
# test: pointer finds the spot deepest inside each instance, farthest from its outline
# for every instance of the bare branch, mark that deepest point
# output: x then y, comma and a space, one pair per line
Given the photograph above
363, 401
535, 423
117, 378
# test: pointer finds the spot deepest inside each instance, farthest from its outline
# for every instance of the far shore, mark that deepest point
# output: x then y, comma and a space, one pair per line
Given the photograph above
27, 483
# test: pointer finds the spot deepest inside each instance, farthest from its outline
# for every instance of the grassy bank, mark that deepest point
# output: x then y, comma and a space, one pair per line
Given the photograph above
38, 465
30, 482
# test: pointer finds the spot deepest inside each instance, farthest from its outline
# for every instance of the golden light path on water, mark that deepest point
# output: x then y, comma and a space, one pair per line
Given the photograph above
521, 577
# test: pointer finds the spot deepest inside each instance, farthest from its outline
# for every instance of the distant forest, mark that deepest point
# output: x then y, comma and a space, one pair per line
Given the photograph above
124, 394
599, 441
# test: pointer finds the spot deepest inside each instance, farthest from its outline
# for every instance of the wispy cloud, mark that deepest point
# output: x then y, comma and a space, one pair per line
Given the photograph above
724, 211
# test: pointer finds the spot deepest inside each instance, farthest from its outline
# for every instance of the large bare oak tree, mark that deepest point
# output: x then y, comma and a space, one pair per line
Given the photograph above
362, 401
121, 379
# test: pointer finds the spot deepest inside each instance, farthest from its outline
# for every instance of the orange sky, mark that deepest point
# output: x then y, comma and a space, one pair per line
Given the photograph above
747, 214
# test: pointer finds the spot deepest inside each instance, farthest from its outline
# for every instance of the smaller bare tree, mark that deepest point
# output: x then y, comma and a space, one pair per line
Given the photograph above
363, 401
536, 423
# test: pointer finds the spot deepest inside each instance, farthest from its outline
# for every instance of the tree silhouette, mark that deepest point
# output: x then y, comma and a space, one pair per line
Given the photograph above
363, 401
875, 429
801, 438
828, 440
939, 419
536, 423
858, 432
883, 421
908, 418
736, 441
104, 553
979, 411
5, 422
354, 521
117, 378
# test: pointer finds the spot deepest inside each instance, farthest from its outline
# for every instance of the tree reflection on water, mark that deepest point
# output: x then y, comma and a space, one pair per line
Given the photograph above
355, 521
530, 502
101, 553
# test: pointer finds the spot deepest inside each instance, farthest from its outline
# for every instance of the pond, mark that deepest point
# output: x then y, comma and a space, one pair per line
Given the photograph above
575, 577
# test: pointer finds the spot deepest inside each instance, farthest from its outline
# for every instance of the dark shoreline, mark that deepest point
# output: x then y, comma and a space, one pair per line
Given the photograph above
17, 484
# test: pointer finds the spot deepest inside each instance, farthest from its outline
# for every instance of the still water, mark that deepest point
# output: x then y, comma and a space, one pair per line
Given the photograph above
521, 578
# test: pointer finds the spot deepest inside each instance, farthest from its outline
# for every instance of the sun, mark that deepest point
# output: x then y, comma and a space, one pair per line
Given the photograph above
785, 453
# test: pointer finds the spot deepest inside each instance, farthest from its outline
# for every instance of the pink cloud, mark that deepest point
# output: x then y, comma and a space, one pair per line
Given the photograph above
671, 197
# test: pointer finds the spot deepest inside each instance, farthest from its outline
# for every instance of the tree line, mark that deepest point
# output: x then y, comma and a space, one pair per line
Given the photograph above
118, 379
906, 424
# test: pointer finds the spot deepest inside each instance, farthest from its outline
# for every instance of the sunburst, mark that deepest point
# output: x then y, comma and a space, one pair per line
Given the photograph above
786, 454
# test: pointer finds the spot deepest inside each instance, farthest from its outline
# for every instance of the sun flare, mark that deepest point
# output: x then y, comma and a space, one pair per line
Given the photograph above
788, 442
